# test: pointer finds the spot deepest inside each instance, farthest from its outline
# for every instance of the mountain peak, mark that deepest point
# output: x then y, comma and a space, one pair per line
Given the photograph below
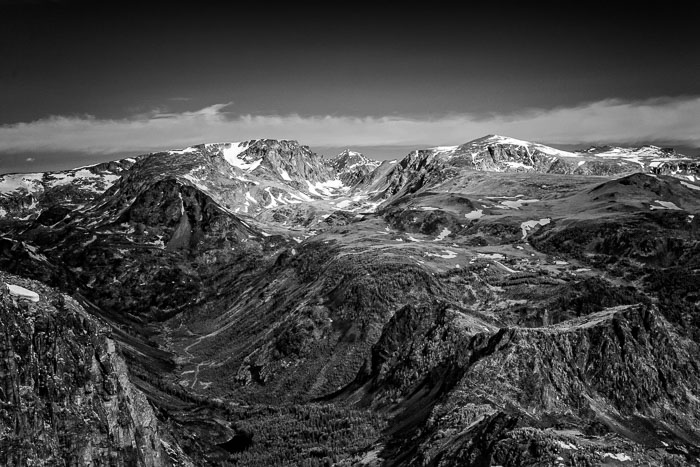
529, 146
349, 153
351, 166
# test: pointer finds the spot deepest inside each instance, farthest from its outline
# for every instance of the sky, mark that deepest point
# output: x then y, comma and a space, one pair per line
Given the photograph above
84, 81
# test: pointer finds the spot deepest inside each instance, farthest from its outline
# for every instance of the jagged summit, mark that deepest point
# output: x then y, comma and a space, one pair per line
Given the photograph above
349, 158
352, 166
349, 153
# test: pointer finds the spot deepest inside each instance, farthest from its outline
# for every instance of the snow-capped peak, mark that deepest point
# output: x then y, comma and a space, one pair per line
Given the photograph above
444, 149
498, 139
643, 151
350, 160
350, 153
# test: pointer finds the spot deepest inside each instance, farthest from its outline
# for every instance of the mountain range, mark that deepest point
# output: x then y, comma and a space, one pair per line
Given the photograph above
500, 302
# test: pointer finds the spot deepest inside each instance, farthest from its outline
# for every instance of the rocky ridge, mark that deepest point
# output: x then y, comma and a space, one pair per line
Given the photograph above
66, 393
392, 296
494, 153
27, 195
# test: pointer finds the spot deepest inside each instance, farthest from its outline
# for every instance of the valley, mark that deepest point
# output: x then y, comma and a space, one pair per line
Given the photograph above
500, 302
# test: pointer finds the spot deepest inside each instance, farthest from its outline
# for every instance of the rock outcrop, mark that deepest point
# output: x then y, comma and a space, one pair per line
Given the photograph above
65, 392
579, 390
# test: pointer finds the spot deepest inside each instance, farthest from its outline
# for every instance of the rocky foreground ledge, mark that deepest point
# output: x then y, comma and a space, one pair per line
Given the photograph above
65, 394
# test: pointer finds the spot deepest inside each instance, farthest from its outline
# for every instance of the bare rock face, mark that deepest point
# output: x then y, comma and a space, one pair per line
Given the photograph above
289, 160
352, 166
573, 391
65, 394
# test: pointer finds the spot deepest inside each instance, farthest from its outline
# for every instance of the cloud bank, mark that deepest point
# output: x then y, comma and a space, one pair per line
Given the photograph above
664, 120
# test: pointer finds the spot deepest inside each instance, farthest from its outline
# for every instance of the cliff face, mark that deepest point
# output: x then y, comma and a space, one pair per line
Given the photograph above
65, 395
573, 392
289, 161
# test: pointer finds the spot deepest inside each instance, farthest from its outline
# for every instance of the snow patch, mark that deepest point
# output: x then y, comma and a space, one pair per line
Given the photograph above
665, 205
515, 203
196, 182
250, 198
183, 151
312, 189
82, 179
182, 203
566, 445
529, 225
12, 182
92, 239
232, 150
326, 188
506, 268
231, 153
517, 165
477, 214
622, 457
285, 175
273, 201
300, 197
23, 293
444, 149
540, 147
445, 232
254, 165
690, 185
329, 186
289, 200
490, 256
245, 180
449, 254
